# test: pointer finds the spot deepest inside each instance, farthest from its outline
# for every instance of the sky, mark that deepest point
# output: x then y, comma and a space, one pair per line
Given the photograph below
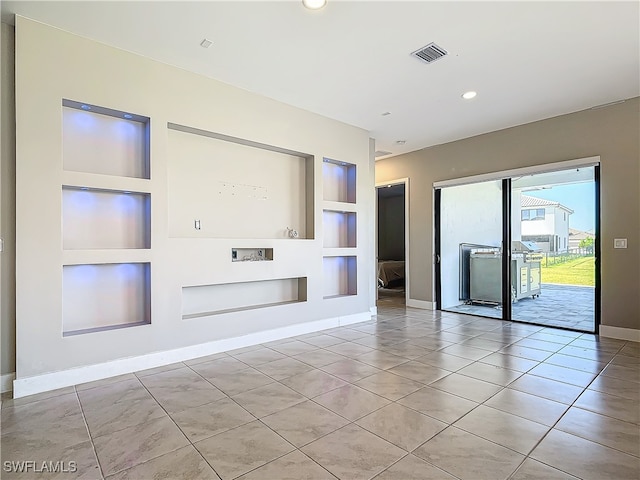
578, 197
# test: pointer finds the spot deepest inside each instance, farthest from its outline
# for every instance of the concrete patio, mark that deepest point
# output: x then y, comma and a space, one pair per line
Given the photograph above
565, 306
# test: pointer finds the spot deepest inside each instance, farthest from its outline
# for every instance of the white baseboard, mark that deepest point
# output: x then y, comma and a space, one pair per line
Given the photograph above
351, 319
423, 304
620, 333
75, 376
373, 310
6, 382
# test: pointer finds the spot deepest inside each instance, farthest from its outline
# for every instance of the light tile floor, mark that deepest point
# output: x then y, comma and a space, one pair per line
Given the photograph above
411, 394
564, 306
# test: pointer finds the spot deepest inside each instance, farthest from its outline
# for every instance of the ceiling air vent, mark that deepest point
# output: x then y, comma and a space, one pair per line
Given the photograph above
430, 53
382, 153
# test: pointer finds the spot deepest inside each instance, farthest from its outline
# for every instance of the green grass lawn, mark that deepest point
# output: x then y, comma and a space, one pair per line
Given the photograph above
580, 271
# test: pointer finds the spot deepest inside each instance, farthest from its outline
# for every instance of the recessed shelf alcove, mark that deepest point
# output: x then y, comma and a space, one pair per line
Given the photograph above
105, 219
206, 300
104, 141
99, 297
339, 181
339, 276
339, 229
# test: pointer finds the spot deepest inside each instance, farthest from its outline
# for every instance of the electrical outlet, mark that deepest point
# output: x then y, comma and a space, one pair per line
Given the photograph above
260, 253
196, 224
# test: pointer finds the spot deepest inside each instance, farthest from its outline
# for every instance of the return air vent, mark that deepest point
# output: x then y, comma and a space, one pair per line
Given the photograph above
382, 153
430, 53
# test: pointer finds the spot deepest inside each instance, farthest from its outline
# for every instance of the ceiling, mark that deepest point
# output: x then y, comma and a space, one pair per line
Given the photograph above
351, 61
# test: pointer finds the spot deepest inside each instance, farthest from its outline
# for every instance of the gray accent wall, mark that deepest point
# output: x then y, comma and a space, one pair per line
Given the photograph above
612, 133
7, 202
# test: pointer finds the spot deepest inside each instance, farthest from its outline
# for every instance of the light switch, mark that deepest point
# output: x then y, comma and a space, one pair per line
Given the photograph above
619, 243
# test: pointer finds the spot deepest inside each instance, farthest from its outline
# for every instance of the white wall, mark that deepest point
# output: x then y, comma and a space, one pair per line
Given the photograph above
52, 65
469, 214
540, 227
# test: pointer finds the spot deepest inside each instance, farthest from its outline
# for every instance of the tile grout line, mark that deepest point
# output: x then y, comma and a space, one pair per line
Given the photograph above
86, 425
176, 425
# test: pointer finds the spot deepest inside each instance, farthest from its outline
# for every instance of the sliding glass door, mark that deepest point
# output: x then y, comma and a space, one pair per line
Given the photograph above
548, 274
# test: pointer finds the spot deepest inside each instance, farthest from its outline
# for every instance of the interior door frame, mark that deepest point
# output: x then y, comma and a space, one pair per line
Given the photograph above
506, 177
398, 181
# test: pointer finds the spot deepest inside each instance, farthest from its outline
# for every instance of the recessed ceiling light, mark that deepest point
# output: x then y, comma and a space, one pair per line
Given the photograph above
400, 142
314, 4
469, 95
206, 43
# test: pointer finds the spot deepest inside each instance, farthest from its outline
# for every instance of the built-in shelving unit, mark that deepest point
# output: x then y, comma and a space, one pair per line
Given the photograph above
155, 228
339, 221
105, 154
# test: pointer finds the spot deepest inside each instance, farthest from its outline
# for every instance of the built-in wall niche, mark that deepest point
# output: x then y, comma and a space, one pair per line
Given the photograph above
101, 297
339, 276
229, 187
251, 254
206, 300
104, 141
104, 219
339, 229
339, 181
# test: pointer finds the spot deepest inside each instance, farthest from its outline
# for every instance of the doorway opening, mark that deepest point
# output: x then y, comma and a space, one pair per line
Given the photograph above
392, 236
548, 274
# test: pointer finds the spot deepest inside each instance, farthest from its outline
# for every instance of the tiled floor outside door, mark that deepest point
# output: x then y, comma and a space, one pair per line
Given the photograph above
411, 394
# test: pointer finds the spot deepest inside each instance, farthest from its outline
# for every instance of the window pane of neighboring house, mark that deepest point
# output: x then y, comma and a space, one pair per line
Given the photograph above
525, 214
539, 214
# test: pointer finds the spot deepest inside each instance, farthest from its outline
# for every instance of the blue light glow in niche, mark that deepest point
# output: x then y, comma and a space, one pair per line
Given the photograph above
81, 200
128, 270
126, 202
330, 170
84, 273
84, 121
126, 129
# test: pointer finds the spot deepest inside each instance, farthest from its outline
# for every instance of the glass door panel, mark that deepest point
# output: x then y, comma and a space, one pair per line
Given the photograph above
470, 249
553, 233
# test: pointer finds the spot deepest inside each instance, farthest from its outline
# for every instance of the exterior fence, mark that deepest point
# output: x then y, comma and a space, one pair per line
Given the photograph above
554, 258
